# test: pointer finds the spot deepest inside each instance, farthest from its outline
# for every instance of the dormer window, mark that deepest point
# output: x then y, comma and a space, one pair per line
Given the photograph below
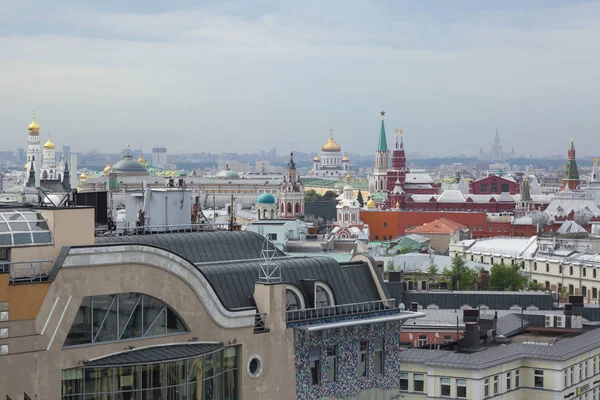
323, 296
293, 299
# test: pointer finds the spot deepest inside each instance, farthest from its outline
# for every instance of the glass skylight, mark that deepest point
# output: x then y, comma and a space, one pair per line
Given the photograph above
23, 227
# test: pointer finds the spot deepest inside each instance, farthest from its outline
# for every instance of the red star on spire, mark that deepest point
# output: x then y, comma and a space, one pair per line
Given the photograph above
382, 114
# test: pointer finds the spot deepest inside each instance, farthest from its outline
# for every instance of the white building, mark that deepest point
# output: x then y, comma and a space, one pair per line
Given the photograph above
331, 164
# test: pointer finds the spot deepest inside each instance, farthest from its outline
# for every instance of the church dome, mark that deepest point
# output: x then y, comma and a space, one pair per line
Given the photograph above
316, 159
227, 174
33, 127
129, 166
83, 176
107, 169
49, 145
141, 160
371, 204
345, 158
331, 145
266, 198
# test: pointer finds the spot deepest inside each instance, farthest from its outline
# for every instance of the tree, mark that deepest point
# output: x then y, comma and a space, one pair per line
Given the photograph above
506, 277
432, 271
461, 275
360, 199
390, 266
310, 196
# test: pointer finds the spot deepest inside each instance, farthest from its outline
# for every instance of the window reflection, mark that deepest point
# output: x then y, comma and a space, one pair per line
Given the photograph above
213, 376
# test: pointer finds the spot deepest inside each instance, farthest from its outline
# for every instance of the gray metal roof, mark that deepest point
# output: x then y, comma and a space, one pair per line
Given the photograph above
200, 247
233, 282
156, 354
494, 356
511, 324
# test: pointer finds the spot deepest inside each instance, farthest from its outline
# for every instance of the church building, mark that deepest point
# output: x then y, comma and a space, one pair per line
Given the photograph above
331, 164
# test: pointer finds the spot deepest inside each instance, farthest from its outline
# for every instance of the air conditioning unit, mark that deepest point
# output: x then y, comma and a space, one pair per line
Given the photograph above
549, 321
561, 321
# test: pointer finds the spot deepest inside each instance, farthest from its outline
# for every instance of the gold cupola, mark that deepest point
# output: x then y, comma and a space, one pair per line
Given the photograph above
34, 128
316, 159
48, 145
141, 159
107, 169
345, 158
371, 203
82, 177
331, 145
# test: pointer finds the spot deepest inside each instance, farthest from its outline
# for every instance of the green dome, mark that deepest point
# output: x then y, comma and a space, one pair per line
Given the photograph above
227, 174
266, 198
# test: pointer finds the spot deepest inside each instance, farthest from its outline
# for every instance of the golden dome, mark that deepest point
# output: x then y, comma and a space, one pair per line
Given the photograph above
348, 177
49, 145
83, 176
316, 159
371, 203
107, 169
331, 145
33, 127
141, 160
26, 164
345, 158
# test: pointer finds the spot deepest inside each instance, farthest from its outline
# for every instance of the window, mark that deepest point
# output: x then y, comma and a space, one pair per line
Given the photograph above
385, 224
571, 270
404, 381
445, 387
517, 378
378, 356
293, 299
363, 352
584, 271
315, 366
499, 229
192, 378
585, 369
538, 378
494, 187
496, 384
594, 273
504, 187
3, 349
572, 375
535, 266
422, 340
508, 381
419, 383
580, 371
571, 290
272, 236
3, 333
483, 188
122, 316
547, 267
447, 339
490, 228
584, 292
486, 387
323, 296
560, 269
331, 358
461, 388
566, 381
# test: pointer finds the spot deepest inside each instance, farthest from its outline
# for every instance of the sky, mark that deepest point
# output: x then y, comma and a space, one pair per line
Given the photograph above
244, 76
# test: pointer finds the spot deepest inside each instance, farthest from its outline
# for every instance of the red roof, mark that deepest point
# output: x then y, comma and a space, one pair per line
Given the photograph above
441, 226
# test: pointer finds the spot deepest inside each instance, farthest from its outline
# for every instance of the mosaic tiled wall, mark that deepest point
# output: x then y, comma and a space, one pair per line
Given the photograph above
348, 384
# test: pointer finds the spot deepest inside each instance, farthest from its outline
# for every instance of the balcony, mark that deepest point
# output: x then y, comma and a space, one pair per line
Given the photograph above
342, 310
27, 271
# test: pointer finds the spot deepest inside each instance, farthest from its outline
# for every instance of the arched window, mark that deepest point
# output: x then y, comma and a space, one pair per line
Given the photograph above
289, 208
122, 316
272, 214
265, 214
293, 298
282, 208
323, 295
297, 208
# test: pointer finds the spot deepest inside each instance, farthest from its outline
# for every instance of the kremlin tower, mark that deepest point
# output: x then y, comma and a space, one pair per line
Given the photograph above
398, 172
382, 161
571, 178
33, 143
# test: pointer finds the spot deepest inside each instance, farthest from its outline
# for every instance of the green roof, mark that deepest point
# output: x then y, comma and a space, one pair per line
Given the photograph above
382, 146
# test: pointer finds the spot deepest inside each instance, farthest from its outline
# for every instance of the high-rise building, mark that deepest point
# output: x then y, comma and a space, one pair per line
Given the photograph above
497, 151
159, 157
21, 156
66, 152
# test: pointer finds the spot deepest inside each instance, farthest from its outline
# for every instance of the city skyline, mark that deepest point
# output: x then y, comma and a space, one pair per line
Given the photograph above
188, 77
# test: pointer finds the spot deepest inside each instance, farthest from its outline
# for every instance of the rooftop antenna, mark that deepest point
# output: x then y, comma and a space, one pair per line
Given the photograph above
269, 271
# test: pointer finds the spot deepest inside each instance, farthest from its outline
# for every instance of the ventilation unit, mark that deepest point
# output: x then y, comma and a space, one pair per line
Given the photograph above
549, 321
561, 321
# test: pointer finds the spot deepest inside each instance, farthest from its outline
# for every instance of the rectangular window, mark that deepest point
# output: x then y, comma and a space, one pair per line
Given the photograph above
419, 383
580, 371
461, 388
566, 381
363, 348
3, 315
490, 228
594, 272
538, 378
494, 188
504, 187
584, 271
3, 333
315, 366
272, 236
3, 349
535, 266
422, 340
547, 267
483, 188
560, 269
445, 387
331, 358
508, 381
496, 384
378, 357
517, 378
572, 375
385, 224
486, 387
404, 381
499, 229
585, 369
571, 270
447, 339
594, 292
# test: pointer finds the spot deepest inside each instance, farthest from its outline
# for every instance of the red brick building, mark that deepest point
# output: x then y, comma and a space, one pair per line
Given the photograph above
494, 184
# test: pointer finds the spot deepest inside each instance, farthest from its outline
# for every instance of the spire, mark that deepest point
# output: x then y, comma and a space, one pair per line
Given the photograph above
382, 146
399, 132
291, 163
572, 146
497, 137
571, 178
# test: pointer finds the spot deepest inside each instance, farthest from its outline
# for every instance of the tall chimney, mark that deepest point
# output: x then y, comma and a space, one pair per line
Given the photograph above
73, 170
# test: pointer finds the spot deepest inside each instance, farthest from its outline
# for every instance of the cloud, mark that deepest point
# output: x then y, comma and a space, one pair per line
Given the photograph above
186, 76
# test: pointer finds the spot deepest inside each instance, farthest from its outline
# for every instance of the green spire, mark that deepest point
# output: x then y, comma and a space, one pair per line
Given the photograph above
572, 147
382, 140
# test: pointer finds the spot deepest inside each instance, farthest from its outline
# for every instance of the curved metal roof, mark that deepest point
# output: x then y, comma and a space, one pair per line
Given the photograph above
200, 247
129, 165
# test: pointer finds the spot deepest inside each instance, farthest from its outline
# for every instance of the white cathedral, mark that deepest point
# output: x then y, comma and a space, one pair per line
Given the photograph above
331, 164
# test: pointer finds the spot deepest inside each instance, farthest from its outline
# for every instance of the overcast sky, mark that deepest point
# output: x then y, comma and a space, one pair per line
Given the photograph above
241, 76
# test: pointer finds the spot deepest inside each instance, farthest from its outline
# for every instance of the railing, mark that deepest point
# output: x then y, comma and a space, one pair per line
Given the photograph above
260, 323
339, 310
28, 271
140, 230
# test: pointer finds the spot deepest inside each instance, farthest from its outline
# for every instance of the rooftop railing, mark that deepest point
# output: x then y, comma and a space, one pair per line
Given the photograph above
27, 271
142, 230
341, 310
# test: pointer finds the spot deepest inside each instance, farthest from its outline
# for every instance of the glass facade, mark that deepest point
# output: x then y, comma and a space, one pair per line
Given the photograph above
209, 377
120, 317
21, 227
